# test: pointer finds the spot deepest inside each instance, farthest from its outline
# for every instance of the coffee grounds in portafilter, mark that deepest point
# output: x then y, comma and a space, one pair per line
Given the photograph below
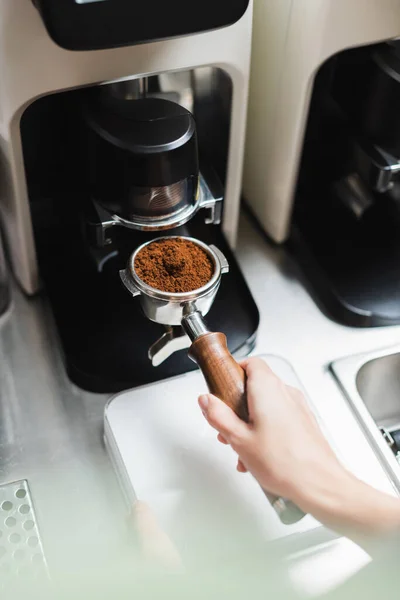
174, 265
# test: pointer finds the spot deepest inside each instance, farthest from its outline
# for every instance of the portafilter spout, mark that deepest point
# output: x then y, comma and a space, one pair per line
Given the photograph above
225, 378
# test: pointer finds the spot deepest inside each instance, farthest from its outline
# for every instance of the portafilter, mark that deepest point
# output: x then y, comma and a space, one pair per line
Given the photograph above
224, 376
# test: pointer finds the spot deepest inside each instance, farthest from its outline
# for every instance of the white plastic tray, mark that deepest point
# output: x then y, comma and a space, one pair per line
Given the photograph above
166, 455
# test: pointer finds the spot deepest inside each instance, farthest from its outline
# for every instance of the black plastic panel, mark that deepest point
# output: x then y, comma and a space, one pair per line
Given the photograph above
355, 281
97, 24
351, 258
104, 335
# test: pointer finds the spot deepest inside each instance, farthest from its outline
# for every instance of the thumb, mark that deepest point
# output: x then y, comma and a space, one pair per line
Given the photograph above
222, 418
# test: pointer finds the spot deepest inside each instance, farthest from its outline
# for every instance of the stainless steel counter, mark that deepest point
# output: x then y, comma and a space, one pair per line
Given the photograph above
51, 432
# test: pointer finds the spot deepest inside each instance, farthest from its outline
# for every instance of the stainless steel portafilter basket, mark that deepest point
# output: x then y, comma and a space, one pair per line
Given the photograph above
171, 309
224, 376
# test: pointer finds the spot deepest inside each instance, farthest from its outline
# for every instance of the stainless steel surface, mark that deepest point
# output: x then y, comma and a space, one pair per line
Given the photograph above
378, 383
4, 281
143, 86
51, 435
389, 439
171, 341
194, 325
378, 169
129, 89
169, 308
223, 262
21, 551
354, 194
51, 432
371, 382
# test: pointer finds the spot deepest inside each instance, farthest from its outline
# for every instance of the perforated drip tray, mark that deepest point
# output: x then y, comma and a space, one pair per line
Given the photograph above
21, 551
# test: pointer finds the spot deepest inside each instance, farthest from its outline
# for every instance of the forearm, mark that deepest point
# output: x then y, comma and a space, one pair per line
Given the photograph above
301, 464
353, 508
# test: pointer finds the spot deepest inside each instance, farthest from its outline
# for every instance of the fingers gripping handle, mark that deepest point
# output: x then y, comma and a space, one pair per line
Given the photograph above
227, 380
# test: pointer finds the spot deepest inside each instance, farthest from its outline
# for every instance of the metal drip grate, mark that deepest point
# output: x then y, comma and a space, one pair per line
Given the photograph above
21, 551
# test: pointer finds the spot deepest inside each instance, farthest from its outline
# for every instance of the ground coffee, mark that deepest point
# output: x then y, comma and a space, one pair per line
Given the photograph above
174, 265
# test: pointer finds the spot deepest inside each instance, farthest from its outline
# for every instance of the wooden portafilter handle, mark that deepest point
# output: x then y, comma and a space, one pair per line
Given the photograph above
227, 380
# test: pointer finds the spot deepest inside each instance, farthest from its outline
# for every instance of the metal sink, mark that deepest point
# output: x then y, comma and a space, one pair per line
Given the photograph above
371, 383
378, 383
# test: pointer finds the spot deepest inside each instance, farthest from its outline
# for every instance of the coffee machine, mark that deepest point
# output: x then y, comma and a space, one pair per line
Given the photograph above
323, 152
119, 120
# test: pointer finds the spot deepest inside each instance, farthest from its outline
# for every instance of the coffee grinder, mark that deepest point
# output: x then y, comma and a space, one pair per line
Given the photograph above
322, 160
109, 138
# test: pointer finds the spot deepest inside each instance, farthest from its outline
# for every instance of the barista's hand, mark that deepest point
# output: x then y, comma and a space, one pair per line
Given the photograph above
285, 450
282, 446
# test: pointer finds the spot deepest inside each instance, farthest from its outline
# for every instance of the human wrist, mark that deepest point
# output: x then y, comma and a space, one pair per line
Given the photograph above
323, 492
344, 503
